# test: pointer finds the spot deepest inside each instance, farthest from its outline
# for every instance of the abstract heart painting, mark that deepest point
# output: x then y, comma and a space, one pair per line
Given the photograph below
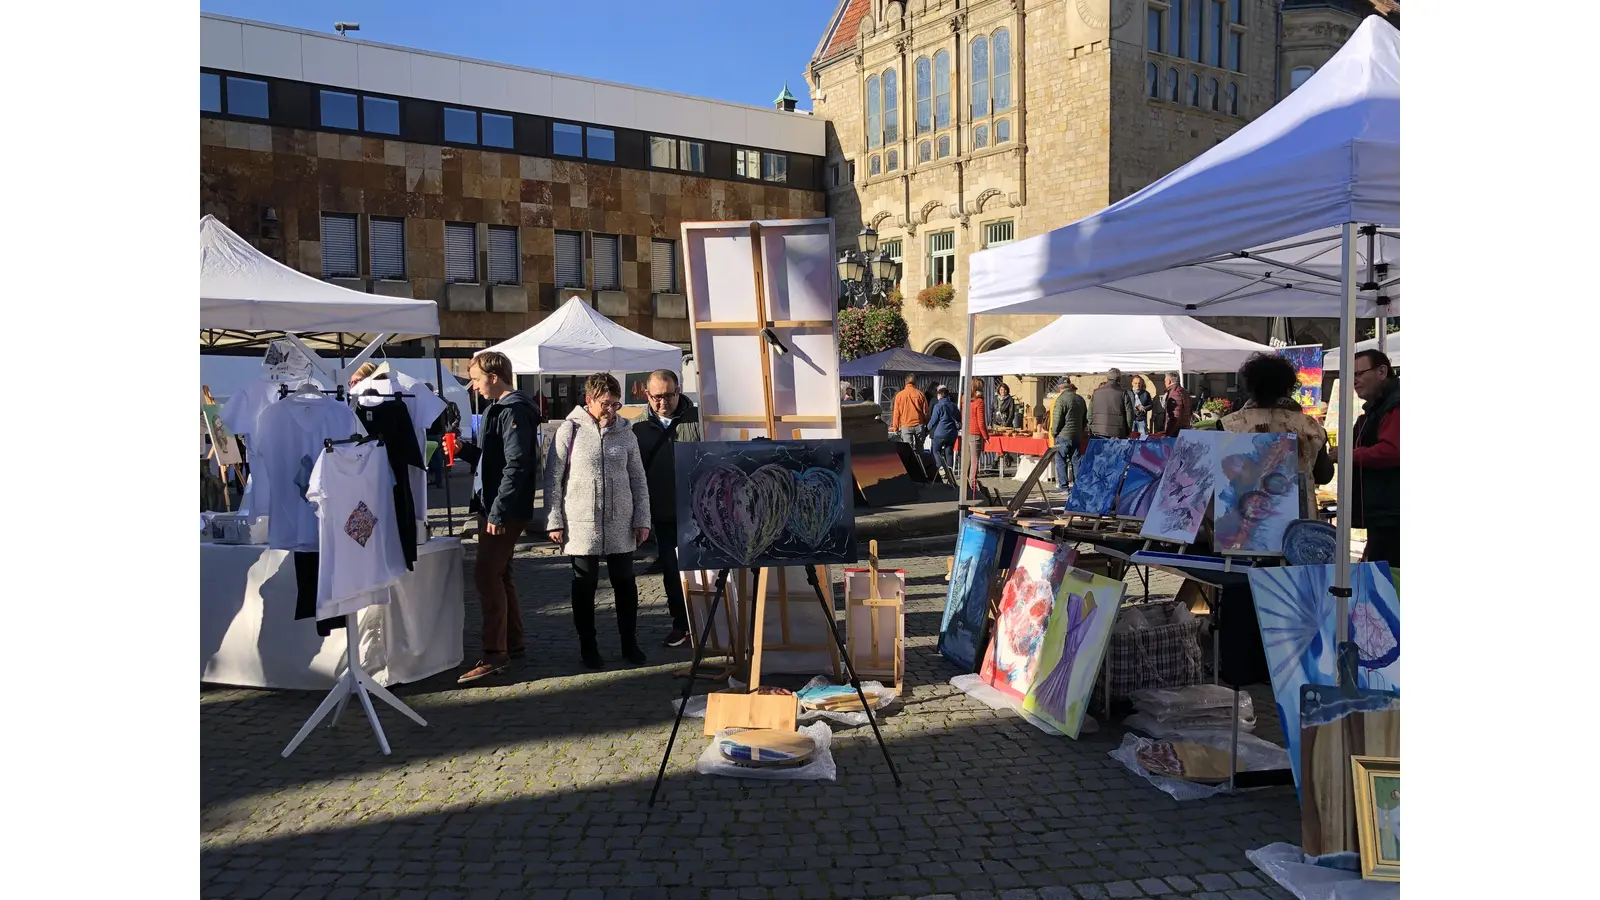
971, 577
1094, 493
1074, 645
1296, 614
1025, 605
1187, 483
764, 503
1259, 494
1149, 457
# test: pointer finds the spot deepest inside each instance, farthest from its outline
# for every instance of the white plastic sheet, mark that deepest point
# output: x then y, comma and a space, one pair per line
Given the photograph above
821, 767
974, 687
1255, 755
1287, 865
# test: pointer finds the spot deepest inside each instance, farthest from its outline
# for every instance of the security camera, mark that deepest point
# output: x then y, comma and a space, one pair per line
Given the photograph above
343, 27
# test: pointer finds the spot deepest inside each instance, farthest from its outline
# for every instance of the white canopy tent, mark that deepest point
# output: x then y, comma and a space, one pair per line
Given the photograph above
1296, 214
576, 340
1330, 359
1085, 344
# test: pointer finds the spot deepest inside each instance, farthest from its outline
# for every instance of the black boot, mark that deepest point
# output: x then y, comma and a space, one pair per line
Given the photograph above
631, 652
591, 654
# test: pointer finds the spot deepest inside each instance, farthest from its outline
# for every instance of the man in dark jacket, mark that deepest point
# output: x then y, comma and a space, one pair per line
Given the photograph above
1110, 408
507, 462
1375, 492
1177, 408
1068, 422
944, 425
672, 418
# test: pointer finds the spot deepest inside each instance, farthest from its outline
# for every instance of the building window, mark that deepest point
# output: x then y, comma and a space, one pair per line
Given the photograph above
1002, 131
941, 90
607, 262
874, 114
569, 259
1299, 75
980, 137
875, 165
1195, 29
460, 126
1172, 85
340, 257
980, 77
691, 156
497, 131
747, 163
461, 252
1175, 27
1152, 80
891, 160
891, 107
925, 151
1235, 12
663, 152
850, 170
1233, 99
504, 256
1236, 51
1194, 90
1000, 57
1219, 25
663, 266
566, 140
387, 239
942, 258
892, 248
1153, 29
775, 167
944, 145
1214, 93
247, 97
339, 110
924, 96
833, 175
996, 234
602, 144
380, 115
210, 92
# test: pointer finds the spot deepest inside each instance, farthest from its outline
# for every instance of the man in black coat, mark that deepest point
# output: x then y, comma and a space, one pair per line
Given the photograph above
672, 418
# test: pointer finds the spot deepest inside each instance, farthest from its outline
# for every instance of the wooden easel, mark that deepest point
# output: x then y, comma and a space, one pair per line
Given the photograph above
876, 653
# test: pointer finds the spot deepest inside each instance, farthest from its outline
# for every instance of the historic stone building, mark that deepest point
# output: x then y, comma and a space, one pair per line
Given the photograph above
496, 191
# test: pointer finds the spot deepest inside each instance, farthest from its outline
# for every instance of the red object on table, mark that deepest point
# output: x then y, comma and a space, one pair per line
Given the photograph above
1022, 446
450, 449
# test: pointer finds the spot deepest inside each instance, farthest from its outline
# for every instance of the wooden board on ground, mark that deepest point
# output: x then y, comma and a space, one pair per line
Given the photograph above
1327, 741
1185, 762
763, 747
737, 709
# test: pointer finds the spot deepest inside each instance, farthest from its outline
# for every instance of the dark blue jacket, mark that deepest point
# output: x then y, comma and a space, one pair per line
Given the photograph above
945, 423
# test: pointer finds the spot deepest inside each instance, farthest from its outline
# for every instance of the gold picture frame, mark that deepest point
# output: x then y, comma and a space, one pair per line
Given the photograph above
1377, 786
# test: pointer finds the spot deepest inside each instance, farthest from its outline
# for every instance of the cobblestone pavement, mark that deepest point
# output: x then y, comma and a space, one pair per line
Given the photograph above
535, 786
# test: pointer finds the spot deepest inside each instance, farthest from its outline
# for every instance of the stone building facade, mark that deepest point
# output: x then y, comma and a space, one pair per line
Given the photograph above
496, 191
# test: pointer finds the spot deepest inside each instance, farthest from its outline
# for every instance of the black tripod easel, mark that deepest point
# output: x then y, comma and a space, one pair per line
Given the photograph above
699, 653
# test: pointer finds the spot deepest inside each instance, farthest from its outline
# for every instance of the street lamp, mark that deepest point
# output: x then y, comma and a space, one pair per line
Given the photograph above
867, 272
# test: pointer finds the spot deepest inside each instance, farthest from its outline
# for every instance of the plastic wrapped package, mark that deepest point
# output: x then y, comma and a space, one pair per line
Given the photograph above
820, 768
1326, 879
882, 699
1255, 755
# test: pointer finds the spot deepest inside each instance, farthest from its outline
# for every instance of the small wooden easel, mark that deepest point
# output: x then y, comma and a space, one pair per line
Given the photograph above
877, 647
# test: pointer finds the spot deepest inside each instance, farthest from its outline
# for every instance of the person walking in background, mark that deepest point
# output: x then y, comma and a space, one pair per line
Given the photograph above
1069, 422
503, 489
1110, 408
1375, 492
977, 433
909, 417
1141, 406
1177, 405
944, 424
1270, 381
597, 504
672, 418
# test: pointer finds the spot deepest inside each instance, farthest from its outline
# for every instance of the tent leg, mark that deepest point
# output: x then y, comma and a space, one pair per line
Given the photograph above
1347, 341
449, 506
966, 415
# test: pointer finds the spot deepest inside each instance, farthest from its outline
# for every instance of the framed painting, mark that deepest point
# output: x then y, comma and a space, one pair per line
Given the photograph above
966, 607
1307, 360
1377, 786
1145, 464
1183, 496
1094, 493
1074, 645
1258, 494
1026, 601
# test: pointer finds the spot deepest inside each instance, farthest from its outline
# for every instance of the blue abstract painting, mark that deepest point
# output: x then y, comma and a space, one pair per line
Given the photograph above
977, 548
1094, 493
1296, 616
1145, 464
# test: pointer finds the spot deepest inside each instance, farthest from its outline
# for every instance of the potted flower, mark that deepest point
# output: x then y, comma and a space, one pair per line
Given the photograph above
937, 296
863, 332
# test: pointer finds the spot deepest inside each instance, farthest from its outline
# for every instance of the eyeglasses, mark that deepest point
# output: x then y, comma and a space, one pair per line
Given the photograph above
663, 397
1360, 372
607, 404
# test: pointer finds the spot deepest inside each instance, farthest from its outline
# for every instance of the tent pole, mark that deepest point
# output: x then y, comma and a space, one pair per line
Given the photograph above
438, 374
1347, 333
1372, 279
966, 414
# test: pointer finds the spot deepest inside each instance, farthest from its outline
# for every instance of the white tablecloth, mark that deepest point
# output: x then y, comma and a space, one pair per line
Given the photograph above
249, 636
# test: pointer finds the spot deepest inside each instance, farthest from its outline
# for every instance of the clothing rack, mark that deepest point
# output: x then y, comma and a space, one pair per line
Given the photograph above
337, 392
329, 443
449, 509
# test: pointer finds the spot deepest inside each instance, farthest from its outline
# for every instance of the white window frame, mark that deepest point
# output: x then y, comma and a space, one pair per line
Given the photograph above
941, 258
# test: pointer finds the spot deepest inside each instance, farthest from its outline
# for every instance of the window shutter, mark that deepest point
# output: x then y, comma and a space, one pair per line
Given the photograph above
339, 256
502, 255
663, 267
569, 259
388, 248
460, 252
605, 262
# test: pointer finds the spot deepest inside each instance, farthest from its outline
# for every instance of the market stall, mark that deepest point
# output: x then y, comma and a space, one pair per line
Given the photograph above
576, 340
1091, 344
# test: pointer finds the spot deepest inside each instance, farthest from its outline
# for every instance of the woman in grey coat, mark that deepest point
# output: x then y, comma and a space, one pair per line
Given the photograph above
597, 504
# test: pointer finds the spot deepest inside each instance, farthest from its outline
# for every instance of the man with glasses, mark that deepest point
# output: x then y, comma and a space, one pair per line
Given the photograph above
672, 418
1375, 490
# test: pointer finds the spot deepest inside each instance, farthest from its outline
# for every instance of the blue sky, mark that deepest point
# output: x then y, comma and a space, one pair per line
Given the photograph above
722, 49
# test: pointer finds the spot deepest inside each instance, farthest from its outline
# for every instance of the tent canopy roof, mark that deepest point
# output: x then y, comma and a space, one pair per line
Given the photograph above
243, 289
1250, 227
899, 359
576, 340
1091, 344
1330, 359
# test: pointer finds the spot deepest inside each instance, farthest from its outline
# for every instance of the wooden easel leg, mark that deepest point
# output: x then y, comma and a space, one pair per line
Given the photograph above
760, 628
833, 649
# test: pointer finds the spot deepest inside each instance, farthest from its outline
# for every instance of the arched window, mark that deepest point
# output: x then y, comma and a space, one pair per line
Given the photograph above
875, 166
1172, 85
925, 151
891, 107
1299, 75
1152, 79
980, 77
1002, 131
893, 159
874, 114
924, 96
980, 137
1000, 56
944, 145
1233, 99
1215, 93
941, 90
1194, 90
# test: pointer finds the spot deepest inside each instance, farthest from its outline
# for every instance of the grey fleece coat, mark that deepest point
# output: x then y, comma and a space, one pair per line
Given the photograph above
596, 492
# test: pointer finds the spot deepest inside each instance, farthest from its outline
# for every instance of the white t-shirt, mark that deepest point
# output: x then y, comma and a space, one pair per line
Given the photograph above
242, 412
353, 489
287, 442
425, 408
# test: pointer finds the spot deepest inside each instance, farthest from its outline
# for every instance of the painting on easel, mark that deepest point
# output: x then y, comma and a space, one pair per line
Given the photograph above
764, 503
1258, 494
1149, 457
1183, 496
967, 606
1094, 493
1026, 601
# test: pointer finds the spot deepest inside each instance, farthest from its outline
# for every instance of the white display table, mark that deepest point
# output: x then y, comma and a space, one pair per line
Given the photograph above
249, 636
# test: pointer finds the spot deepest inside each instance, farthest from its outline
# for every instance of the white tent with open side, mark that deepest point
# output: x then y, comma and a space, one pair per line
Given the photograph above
1330, 359
576, 340
1074, 345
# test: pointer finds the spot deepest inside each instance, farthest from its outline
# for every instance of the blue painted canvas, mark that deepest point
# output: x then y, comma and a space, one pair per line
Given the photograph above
1296, 615
1145, 464
977, 548
1094, 493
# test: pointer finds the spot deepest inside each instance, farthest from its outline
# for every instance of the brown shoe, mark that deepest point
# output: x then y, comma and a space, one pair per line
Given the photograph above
485, 667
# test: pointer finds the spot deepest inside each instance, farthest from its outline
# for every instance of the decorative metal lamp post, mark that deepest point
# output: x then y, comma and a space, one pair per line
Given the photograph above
867, 272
